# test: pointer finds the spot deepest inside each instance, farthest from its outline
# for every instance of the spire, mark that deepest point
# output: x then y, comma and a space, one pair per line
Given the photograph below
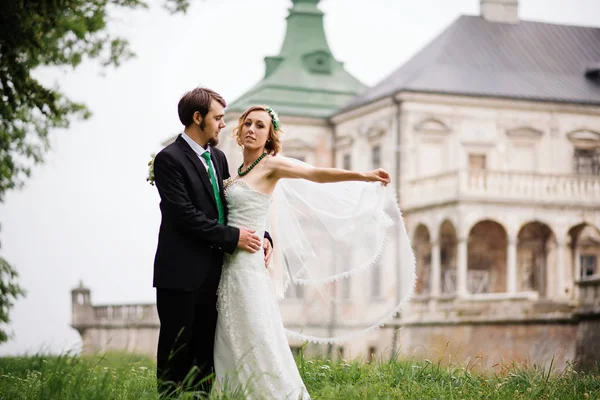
305, 32
304, 35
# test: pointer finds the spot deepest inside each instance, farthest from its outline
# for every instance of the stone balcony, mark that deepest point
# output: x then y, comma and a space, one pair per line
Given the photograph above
489, 308
134, 314
115, 316
501, 186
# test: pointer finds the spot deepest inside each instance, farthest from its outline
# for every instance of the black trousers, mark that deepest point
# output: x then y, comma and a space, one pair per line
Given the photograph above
188, 320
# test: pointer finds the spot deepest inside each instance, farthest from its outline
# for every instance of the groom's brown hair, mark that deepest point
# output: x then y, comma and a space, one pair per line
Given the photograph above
198, 99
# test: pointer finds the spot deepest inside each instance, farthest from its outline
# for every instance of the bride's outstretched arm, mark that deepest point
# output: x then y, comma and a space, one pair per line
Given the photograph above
283, 167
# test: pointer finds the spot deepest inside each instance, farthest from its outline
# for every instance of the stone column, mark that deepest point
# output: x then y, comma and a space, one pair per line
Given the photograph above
576, 269
461, 268
436, 269
511, 265
559, 272
577, 262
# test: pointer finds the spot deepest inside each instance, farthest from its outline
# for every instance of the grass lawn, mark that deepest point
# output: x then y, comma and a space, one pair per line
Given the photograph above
124, 376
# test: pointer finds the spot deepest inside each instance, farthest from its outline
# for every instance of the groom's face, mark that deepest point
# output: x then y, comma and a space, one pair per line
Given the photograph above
211, 125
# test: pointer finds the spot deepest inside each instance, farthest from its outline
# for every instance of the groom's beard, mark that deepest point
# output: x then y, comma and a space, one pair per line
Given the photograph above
213, 141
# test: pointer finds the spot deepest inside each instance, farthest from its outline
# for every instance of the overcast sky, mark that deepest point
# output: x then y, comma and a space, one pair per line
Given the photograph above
88, 213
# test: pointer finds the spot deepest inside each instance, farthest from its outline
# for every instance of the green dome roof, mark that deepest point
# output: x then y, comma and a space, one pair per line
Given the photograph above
304, 79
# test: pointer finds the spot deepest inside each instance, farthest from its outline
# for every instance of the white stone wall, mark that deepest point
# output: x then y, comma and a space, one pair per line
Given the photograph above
131, 339
439, 133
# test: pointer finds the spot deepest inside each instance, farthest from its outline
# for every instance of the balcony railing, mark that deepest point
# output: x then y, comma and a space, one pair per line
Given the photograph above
502, 186
126, 314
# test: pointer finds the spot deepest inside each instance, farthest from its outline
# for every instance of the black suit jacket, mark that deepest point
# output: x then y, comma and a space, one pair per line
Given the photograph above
191, 242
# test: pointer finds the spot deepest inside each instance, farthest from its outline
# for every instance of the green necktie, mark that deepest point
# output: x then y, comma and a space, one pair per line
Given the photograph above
215, 186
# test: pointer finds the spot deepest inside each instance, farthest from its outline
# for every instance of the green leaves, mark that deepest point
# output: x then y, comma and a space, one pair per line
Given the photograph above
36, 33
9, 292
177, 6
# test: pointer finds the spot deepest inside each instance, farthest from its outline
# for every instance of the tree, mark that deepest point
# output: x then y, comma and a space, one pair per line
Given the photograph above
36, 33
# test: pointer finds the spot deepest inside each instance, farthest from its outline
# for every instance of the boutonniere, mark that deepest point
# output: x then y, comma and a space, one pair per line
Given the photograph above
150, 177
227, 182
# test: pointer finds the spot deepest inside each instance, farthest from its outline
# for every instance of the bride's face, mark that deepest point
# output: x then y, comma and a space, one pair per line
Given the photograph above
255, 130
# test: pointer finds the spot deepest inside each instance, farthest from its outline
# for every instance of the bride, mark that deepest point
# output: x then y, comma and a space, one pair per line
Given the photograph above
251, 351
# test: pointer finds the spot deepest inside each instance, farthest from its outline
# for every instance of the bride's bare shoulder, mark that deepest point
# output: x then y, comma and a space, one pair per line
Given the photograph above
277, 162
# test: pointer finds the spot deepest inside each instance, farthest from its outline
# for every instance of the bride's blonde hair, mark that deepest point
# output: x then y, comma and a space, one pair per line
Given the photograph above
273, 145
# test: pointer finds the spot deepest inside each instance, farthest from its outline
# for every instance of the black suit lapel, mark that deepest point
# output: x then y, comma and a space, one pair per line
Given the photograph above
189, 153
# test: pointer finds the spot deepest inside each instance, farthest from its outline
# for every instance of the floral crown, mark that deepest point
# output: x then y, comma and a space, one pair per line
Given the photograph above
274, 117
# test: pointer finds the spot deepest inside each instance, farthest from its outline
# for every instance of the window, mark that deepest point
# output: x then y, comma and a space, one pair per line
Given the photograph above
347, 162
589, 265
318, 62
376, 156
477, 161
586, 161
444, 256
424, 274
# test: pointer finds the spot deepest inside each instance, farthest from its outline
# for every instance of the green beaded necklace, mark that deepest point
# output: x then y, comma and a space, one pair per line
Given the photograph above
240, 173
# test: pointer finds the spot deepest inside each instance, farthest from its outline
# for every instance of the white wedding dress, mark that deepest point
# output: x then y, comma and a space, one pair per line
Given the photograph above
251, 352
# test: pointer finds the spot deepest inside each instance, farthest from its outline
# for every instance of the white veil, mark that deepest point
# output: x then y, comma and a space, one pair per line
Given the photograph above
344, 248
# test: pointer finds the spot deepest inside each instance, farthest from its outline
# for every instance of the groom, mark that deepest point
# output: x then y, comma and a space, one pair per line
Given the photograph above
193, 237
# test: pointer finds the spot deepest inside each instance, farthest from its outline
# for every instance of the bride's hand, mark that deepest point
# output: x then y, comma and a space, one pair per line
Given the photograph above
378, 175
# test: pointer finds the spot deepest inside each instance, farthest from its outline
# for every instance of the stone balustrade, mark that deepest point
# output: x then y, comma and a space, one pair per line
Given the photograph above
501, 186
118, 315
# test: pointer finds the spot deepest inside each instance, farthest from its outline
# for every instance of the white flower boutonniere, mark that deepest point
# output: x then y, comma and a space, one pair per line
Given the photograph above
227, 182
150, 177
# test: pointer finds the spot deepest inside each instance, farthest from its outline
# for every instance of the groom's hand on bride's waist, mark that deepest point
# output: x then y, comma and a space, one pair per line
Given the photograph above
249, 241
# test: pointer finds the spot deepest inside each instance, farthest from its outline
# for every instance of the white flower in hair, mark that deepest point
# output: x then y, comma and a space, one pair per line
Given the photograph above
274, 117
